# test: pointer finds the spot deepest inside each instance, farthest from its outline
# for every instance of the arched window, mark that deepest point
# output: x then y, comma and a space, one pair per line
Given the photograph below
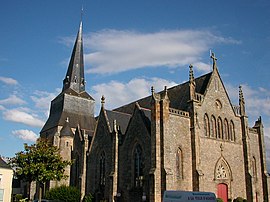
232, 131
206, 126
213, 127
102, 168
220, 128
138, 166
226, 130
179, 163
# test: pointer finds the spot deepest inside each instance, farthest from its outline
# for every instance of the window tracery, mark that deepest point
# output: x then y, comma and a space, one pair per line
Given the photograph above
221, 172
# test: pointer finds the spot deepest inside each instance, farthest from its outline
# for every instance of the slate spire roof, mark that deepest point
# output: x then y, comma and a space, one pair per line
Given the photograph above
73, 102
74, 78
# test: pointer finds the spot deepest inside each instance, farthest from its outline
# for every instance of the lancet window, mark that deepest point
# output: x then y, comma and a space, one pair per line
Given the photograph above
232, 131
102, 168
254, 168
213, 127
220, 128
206, 125
226, 129
179, 163
138, 166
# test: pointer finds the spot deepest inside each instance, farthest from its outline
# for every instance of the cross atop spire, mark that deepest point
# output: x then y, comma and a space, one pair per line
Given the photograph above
214, 60
75, 74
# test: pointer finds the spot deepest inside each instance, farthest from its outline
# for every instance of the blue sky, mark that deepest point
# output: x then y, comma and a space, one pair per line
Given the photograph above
129, 46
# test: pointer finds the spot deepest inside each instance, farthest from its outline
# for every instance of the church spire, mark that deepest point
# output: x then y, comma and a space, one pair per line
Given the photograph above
75, 74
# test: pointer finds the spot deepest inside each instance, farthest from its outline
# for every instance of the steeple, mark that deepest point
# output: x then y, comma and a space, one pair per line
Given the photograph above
75, 74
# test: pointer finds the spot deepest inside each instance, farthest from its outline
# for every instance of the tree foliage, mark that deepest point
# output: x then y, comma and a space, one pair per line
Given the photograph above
64, 193
39, 162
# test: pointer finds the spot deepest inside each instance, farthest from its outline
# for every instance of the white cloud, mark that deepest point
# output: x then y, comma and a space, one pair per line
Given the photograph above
27, 135
8, 81
12, 100
115, 51
42, 99
22, 115
2, 107
118, 93
257, 100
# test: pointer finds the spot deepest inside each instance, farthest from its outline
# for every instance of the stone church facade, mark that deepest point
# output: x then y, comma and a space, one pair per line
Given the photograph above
187, 137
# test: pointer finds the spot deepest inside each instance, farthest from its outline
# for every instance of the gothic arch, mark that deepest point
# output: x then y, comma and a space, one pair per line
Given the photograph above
254, 169
102, 168
232, 131
220, 128
179, 163
213, 127
206, 125
222, 170
226, 129
138, 164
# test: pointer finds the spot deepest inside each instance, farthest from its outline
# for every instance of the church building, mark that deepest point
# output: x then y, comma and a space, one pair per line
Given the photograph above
187, 137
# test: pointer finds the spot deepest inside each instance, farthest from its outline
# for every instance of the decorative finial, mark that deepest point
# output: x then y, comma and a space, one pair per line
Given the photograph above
152, 89
165, 89
214, 60
102, 100
241, 101
191, 74
165, 93
241, 96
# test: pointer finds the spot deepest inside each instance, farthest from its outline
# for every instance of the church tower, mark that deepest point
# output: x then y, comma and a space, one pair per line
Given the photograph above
73, 108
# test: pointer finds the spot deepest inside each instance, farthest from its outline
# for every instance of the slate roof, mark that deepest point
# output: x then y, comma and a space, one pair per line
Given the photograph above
122, 119
83, 94
75, 74
59, 118
178, 95
3, 164
66, 130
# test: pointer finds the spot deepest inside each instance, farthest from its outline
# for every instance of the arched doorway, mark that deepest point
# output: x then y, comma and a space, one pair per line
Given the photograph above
222, 192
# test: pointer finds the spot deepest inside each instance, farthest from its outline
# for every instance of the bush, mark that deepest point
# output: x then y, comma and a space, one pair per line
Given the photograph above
239, 199
64, 193
219, 200
88, 198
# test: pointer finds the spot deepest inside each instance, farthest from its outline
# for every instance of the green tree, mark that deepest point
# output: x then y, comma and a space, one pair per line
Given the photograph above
39, 162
